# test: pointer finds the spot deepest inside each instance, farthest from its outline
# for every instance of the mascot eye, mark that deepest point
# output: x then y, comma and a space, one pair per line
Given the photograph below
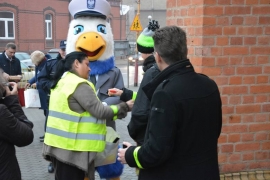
101, 28
78, 29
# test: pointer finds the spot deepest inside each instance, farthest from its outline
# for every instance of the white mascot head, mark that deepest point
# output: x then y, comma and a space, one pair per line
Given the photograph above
90, 32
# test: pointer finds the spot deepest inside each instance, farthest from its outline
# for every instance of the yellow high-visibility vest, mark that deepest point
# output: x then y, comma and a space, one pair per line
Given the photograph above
67, 129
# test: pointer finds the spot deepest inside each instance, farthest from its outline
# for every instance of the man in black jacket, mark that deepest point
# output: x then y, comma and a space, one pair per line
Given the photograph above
15, 129
9, 63
185, 117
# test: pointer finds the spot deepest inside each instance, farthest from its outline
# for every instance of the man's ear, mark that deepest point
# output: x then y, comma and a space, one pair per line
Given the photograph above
158, 58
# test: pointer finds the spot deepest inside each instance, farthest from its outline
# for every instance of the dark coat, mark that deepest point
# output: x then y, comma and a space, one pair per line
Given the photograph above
13, 67
183, 127
42, 94
15, 129
141, 108
148, 62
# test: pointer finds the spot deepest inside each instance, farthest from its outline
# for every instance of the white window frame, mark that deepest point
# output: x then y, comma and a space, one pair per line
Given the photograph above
48, 24
6, 20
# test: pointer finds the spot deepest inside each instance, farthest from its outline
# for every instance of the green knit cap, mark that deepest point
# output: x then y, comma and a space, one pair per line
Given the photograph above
145, 42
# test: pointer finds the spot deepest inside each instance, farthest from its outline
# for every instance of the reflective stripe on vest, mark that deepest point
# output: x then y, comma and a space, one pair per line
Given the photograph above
70, 135
75, 118
67, 129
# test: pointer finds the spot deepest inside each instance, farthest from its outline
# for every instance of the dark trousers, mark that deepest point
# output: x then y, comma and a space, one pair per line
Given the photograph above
64, 171
46, 113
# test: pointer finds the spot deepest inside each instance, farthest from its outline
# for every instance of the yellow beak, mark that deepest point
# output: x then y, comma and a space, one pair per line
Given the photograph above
92, 44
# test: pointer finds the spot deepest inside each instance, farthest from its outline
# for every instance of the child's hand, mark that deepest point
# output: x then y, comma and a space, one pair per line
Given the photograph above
114, 92
130, 104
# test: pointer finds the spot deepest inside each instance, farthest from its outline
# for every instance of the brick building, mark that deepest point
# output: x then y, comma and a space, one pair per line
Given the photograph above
41, 25
229, 40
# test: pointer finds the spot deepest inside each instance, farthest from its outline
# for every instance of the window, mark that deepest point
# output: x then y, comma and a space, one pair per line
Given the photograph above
6, 25
48, 23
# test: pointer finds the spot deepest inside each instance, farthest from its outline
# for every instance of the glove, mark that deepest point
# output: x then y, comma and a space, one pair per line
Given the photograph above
122, 110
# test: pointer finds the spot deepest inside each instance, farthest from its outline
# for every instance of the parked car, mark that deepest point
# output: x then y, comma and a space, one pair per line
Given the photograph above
133, 58
53, 53
25, 58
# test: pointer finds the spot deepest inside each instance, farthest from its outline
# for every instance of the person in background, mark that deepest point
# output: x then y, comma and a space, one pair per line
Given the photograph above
185, 117
15, 130
9, 63
73, 103
45, 78
39, 60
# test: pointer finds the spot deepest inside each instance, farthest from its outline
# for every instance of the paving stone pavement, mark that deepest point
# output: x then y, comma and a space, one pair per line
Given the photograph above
32, 164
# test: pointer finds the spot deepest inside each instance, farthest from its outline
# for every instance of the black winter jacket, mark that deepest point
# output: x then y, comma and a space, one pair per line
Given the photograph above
16, 130
141, 108
183, 127
148, 62
13, 67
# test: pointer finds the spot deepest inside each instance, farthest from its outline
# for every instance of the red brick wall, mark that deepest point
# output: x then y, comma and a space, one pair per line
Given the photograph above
29, 18
229, 40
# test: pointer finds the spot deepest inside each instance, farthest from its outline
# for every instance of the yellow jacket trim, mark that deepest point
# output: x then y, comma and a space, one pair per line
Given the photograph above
135, 154
134, 95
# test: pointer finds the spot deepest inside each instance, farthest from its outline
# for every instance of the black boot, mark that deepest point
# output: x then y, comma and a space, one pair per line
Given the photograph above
50, 168
41, 140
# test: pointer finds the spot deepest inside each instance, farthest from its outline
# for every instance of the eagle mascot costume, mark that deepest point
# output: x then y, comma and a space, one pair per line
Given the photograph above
90, 32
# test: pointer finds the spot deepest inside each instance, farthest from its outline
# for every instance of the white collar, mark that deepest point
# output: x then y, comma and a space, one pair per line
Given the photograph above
8, 57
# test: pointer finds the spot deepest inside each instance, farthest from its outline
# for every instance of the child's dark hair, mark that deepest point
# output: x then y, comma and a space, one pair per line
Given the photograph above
66, 65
